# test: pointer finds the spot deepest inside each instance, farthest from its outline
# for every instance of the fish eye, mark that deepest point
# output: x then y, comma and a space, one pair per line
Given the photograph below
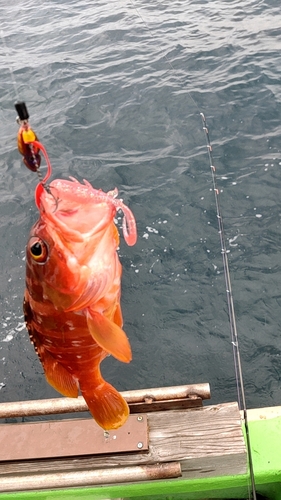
38, 250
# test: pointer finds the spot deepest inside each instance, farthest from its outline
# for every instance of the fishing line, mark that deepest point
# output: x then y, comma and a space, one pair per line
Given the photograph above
230, 302
9, 67
22, 121
151, 33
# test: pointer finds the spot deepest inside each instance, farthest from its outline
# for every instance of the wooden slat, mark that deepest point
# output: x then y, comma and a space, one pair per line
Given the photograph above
67, 438
206, 441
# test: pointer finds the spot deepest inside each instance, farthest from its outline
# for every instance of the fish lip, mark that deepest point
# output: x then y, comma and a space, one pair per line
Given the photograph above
68, 213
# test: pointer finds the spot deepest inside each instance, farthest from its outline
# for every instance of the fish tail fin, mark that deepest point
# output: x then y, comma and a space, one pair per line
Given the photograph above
108, 407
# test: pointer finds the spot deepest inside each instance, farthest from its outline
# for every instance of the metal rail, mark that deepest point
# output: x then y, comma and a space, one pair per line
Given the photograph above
69, 405
90, 477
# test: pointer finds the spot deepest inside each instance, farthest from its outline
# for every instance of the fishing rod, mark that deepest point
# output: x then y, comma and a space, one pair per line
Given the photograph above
231, 311
230, 301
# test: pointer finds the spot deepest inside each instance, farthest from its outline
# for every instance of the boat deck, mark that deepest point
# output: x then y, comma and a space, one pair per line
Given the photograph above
168, 435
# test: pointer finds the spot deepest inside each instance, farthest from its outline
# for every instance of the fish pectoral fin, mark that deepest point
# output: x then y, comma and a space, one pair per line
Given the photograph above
118, 318
108, 407
109, 336
57, 376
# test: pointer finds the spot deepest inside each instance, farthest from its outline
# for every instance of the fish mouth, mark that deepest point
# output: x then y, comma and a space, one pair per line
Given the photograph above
81, 209
68, 212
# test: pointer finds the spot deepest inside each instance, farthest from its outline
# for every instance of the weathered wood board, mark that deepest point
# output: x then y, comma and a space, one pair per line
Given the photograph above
205, 442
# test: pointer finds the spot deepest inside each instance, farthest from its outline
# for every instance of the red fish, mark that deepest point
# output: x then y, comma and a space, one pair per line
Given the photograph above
72, 298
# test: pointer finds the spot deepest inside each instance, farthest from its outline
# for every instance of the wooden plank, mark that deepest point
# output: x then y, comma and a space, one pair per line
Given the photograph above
206, 441
66, 438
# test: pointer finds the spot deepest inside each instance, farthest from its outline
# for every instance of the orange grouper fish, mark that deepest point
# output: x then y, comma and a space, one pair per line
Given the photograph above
72, 298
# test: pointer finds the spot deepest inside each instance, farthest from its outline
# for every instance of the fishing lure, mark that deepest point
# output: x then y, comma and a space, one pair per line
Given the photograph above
26, 139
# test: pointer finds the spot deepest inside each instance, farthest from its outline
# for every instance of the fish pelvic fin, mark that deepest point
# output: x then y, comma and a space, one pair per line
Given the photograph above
109, 336
107, 406
57, 376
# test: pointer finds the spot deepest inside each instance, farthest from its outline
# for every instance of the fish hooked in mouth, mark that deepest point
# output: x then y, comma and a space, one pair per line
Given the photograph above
73, 288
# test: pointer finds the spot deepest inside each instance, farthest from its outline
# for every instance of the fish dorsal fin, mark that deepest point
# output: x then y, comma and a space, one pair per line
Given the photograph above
109, 336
